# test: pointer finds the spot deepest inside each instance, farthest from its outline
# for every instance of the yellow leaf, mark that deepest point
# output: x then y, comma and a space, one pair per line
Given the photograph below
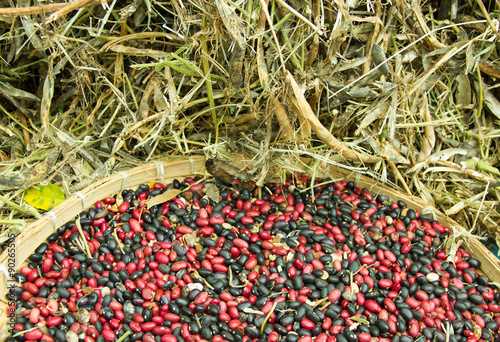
44, 197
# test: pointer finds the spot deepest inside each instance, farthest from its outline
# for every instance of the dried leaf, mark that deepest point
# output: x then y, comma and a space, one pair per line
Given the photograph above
160, 100
425, 194
282, 117
456, 208
363, 93
224, 171
463, 95
447, 154
146, 96
164, 197
354, 63
44, 197
490, 100
20, 94
306, 112
429, 138
380, 109
390, 152
129, 50
379, 57
212, 192
48, 92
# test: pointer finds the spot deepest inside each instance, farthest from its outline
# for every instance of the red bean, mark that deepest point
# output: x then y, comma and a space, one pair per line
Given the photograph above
372, 306
108, 335
240, 243
169, 338
30, 287
334, 295
54, 321
179, 265
35, 334
367, 260
267, 245
170, 317
414, 328
201, 298
389, 305
34, 315
251, 263
135, 225
412, 302
220, 268
385, 283
47, 264
364, 337
305, 339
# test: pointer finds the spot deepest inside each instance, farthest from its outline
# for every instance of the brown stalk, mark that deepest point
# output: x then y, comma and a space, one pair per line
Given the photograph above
429, 138
14, 11
281, 115
58, 9
68, 8
323, 134
493, 72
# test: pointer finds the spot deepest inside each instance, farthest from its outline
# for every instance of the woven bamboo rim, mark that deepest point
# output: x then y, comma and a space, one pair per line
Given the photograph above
166, 171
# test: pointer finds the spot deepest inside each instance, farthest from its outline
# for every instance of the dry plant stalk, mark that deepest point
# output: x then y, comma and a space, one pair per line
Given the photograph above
14, 11
66, 9
59, 9
493, 72
300, 16
429, 138
282, 117
261, 59
323, 134
305, 126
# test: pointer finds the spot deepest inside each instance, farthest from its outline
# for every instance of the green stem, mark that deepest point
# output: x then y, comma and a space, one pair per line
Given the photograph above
16, 121
84, 240
28, 210
124, 336
479, 111
267, 317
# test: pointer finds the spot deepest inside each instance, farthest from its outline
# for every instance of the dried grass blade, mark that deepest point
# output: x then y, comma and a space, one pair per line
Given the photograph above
48, 92
305, 126
429, 138
282, 117
273, 31
493, 72
146, 95
66, 9
487, 16
320, 130
129, 50
430, 37
468, 172
261, 61
83, 239
232, 23
447, 56
300, 16
208, 80
14, 11
137, 36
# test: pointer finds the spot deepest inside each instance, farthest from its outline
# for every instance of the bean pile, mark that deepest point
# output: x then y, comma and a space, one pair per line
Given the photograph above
286, 262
